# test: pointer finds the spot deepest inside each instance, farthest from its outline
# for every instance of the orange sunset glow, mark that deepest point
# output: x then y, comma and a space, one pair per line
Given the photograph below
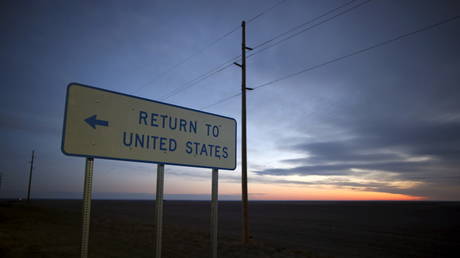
265, 192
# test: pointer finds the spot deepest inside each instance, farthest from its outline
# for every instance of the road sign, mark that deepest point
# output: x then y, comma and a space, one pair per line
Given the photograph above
100, 123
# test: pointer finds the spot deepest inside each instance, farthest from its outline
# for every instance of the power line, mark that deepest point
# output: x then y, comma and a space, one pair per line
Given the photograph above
278, 36
200, 51
221, 101
310, 27
171, 68
201, 77
265, 11
310, 68
303, 24
229, 63
383, 43
289, 31
281, 35
293, 35
219, 68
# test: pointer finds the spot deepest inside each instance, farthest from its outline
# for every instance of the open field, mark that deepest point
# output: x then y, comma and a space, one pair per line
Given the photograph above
51, 228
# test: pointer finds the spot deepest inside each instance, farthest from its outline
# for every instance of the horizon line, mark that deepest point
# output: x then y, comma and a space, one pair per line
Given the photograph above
225, 200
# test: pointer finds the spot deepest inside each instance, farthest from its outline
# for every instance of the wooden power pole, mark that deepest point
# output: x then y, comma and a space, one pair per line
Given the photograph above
1, 177
30, 175
244, 157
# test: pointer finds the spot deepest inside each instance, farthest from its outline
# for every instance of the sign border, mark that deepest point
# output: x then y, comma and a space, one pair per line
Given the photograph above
150, 100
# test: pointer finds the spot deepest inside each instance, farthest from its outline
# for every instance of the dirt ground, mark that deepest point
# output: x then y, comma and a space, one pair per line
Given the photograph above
52, 228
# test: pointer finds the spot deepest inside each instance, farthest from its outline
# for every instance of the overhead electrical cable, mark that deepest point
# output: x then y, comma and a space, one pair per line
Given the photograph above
183, 61
222, 100
225, 65
303, 24
357, 52
308, 28
265, 11
291, 36
201, 77
200, 51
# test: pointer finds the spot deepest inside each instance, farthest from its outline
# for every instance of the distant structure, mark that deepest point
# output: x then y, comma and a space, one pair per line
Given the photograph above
30, 175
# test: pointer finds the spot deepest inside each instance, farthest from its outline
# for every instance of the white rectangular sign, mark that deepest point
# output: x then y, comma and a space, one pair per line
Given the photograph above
105, 124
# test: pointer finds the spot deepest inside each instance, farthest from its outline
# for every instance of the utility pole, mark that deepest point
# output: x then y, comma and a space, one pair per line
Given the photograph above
30, 175
244, 157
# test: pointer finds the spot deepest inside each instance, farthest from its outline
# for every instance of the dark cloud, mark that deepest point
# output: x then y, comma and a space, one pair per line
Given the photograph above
345, 168
409, 132
324, 170
374, 186
424, 148
343, 151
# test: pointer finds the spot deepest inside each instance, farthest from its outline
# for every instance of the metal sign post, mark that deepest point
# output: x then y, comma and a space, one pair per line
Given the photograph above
87, 206
159, 209
214, 215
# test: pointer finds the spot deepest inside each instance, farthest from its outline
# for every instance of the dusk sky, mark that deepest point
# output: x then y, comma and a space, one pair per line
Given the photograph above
381, 123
